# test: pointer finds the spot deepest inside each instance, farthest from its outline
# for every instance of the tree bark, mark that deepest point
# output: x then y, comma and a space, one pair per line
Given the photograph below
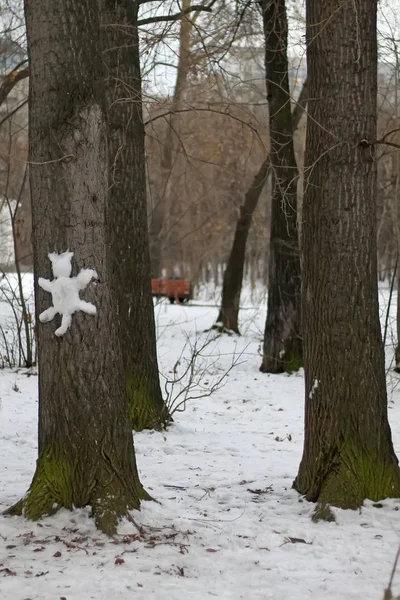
86, 454
282, 349
348, 452
127, 219
228, 316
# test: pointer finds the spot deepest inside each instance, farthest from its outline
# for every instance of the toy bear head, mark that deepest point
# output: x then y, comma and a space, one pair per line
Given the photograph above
61, 263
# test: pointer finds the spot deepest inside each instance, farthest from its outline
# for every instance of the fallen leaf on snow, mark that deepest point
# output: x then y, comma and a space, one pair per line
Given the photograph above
260, 491
7, 572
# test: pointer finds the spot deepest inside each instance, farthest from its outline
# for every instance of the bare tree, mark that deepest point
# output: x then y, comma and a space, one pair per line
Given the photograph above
228, 316
282, 350
215, 158
86, 454
127, 217
160, 229
348, 452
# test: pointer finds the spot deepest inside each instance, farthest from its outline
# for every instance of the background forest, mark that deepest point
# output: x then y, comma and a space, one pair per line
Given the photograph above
251, 148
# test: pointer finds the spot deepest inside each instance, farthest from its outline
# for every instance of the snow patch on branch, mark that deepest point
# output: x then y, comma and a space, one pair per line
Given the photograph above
313, 389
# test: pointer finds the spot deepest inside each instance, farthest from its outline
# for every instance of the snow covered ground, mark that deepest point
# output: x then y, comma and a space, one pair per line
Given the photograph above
227, 523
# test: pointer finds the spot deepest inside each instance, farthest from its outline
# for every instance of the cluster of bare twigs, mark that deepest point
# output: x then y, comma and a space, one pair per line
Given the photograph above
17, 335
17, 339
196, 373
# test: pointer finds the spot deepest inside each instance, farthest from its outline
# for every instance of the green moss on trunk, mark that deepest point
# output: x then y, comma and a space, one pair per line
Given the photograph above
293, 359
57, 484
359, 475
288, 360
145, 412
50, 489
354, 475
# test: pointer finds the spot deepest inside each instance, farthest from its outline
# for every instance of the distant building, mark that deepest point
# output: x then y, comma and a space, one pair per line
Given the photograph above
247, 66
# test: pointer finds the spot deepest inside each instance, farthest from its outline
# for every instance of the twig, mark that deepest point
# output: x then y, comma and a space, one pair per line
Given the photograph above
12, 113
382, 140
175, 17
390, 301
388, 591
11, 80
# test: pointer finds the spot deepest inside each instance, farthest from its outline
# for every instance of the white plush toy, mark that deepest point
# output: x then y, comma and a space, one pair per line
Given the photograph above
65, 291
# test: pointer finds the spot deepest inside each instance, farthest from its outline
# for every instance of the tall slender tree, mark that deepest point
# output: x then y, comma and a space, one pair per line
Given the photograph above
161, 225
348, 452
282, 349
127, 218
228, 315
86, 454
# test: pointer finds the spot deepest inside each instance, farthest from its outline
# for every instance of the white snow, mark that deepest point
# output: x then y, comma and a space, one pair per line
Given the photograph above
313, 389
64, 290
227, 519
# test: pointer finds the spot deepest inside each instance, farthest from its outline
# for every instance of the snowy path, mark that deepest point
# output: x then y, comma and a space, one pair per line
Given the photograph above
222, 475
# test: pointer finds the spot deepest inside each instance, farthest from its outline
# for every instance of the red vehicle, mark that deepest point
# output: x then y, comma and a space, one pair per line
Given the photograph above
173, 289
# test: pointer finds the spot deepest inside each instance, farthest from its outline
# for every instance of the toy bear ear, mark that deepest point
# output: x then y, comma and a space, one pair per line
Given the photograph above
53, 256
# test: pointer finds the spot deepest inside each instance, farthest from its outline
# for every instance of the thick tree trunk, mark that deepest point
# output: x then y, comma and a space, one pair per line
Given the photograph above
282, 349
86, 454
348, 453
127, 218
228, 316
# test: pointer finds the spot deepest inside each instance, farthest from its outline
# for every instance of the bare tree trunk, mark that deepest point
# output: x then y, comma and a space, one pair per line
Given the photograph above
86, 454
228, 315
395, 213
348, 452
233, 276
26, 316
282, 350
161, 220
127, 218
395, 204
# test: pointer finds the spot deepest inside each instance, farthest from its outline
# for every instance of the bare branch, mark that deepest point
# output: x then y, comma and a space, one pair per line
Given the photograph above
12, 113
382, 140
210, 110
175, 17
300, 105
189, 385
11, 80
238, 23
